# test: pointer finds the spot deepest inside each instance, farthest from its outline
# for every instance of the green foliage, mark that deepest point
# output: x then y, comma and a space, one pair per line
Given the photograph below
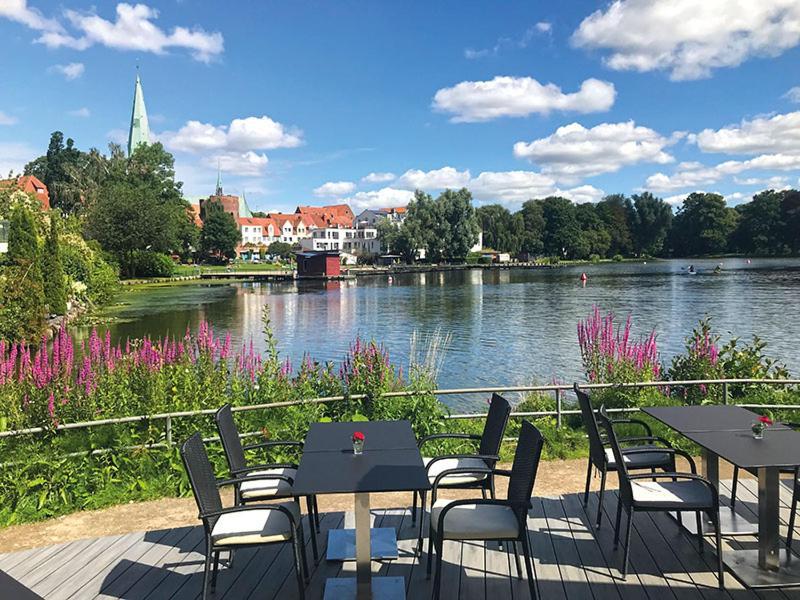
220, 235
703, 225
22, 310
55, 290
149, 264
91, 278
281, 249
700, 361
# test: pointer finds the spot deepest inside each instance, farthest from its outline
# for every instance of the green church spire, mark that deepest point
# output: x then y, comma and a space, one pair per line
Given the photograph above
218, 191
140, 129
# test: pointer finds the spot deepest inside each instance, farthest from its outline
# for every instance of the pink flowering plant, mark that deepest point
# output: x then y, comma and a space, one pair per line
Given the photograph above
701, 360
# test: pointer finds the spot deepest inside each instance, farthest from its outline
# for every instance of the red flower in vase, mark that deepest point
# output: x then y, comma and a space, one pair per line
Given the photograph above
358, 436
766, 421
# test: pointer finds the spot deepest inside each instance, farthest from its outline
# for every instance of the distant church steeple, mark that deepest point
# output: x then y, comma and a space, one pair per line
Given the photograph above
140, 128
218, 191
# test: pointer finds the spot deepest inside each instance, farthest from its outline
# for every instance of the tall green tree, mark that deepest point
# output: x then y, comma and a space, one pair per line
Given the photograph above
220, 235
57, 169
703, 225
561, 230
139, 207
651, 220
501, 230
790, 215
533, 225
22, 309
594, 237
55, 287
455, 207
617, 211
761, 228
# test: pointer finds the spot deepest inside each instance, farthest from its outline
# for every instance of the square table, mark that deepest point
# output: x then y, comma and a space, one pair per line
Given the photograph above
724, 431
390, 462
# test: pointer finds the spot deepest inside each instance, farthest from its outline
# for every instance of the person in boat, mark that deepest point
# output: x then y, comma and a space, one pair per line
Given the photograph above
691, 269
718, 268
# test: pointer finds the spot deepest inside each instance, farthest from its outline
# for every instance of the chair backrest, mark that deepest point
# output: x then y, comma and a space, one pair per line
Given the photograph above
201, 475
229, 436
622, 471
495, 426
525, 466
597, 451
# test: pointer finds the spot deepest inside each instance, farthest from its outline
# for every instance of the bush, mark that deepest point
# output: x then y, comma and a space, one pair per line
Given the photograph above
91, 277
594, 258
617, 258
143, 263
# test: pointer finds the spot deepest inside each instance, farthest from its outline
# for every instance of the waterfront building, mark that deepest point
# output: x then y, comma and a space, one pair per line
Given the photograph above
318, 264
370, 217
30, 184
333, 215
363, 241
139, 132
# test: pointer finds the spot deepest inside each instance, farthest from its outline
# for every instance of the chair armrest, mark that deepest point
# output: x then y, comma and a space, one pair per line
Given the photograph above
263, 467
240, 480
639, 422
673, 451
272, 444
236, 509
441, 436
645, 438
484, 457
503, 472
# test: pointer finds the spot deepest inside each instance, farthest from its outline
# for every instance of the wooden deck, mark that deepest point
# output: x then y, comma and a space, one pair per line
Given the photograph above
571, 562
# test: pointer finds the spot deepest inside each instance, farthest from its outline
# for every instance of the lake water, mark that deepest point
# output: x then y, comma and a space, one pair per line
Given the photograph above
508, 327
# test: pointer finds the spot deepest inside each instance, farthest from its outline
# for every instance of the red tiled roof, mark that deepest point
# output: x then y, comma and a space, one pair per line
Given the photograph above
194, 212
396, 209
30, 184
331, 215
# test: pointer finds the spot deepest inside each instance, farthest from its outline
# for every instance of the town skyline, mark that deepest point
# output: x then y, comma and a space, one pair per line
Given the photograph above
537, 103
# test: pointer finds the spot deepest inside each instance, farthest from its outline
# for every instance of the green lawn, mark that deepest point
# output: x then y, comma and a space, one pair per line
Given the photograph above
182, 270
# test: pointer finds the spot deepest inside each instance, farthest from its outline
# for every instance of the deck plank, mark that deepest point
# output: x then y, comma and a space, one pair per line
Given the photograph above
571, 560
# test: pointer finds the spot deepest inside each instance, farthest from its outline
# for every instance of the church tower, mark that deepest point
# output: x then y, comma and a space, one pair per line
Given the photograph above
140, 129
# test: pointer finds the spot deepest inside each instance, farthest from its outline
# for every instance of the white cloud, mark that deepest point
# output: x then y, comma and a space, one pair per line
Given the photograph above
766, 134
246, 164
82, 112
14, 156
378, 177
687, 37
251, 133
438, 179
133, 29
692, 175
506, 42
574, 151
777, 182
471, 101
117, 136
335, 188
6, 119
70, 71
582, 194
19, 11
382, 198
675, 200
793, 95
515, 187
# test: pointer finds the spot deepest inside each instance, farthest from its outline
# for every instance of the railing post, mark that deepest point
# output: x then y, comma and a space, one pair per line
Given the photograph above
558, 408
725, 393
169, 431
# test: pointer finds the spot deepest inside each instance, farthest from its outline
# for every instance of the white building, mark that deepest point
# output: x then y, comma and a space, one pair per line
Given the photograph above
345, 239
371, 216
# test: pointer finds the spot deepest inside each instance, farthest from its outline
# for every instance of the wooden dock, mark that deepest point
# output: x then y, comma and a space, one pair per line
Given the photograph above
571, 562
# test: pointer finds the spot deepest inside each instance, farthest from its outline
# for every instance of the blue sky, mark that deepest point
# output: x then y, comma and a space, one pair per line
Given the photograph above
300, 102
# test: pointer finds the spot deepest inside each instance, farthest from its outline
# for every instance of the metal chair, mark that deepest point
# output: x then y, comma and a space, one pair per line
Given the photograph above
684, 492
602, 458
269, 481
489, 519
239, 526
479, 474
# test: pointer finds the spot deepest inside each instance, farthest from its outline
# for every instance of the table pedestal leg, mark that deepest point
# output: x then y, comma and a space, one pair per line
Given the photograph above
711, 467
768, 518
363, 547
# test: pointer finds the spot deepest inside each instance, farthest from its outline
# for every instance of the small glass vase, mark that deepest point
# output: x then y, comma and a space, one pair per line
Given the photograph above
358, 447
758, 431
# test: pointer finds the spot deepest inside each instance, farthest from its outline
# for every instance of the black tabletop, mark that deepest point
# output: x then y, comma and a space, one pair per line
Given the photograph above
340, 471
379, 435
686, 419
778, 448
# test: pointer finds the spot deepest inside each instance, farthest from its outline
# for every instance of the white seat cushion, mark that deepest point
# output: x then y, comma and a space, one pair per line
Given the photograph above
455, 463
254, 526
268, 488
687, 492
640, 460
476, 521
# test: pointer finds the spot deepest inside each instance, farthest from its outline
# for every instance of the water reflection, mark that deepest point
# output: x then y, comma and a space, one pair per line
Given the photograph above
507, 326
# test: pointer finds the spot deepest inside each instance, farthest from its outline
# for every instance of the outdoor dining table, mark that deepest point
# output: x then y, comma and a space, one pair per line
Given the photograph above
390, 462
725, 432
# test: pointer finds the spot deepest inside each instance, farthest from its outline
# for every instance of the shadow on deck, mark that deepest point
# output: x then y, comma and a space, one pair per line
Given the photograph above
571, 561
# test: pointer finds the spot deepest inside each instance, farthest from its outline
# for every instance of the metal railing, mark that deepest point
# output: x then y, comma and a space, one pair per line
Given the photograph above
557, 389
